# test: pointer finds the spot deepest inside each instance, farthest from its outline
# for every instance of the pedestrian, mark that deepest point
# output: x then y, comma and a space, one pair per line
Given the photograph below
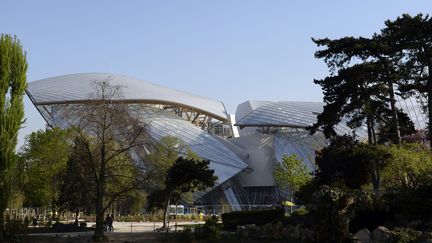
110, 223
107, 222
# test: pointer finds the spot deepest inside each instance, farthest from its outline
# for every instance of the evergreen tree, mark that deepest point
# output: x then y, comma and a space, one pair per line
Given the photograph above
185, 175
413, 35
76, 188
13, 69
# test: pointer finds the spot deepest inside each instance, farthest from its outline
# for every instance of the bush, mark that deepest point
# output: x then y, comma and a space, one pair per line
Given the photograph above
211, 228
411, 205
187, 236
83, 224
300, 212
273, 231
233, 219
405, 235
14, 229
369, 219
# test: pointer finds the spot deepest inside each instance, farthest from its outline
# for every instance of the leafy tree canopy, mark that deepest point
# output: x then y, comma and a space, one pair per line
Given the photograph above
291, 173
44, 154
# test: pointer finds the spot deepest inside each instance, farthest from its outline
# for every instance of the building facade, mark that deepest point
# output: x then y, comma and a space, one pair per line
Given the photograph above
242, 148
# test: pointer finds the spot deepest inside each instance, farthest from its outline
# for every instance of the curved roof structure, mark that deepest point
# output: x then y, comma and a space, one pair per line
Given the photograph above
163, 123
282, 114
293, 114
76, 88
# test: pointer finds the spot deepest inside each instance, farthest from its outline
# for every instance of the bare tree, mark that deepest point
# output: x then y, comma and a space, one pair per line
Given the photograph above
109, 137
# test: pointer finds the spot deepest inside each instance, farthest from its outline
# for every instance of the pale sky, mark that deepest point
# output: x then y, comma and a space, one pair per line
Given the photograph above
226, 50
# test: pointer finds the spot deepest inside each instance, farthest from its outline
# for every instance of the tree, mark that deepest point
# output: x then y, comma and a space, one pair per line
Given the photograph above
13, 69
110, 136
162, 156
77, 187
411, 167
386, 130
363, 90
346, 163
185, 175
291, 174
414, 36
44, 155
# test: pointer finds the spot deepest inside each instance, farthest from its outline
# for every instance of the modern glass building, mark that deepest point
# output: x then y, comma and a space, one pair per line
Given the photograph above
242, 148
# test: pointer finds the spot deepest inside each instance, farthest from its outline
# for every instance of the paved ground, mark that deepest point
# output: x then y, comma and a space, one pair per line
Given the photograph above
146, 226
113, 237
127, 227
123, 232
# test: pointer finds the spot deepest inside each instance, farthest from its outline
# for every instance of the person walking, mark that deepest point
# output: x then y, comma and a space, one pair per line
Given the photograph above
110, 223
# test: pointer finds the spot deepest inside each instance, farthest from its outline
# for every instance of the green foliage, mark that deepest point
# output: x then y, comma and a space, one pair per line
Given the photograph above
411, 205
412, 35
185, 175
386, 131
13, 83
131, 203
210, 230
156, 200
365, 73
44, 155
291, 173
411, 167
238, 218
187, 236
77, 187
405, 235
305, 193
14, 230
188, 175
165, 153
345, 163
274, 230
301, 211
109, 134
332, 209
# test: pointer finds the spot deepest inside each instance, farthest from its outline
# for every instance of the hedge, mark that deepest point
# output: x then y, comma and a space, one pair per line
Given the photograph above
238, 218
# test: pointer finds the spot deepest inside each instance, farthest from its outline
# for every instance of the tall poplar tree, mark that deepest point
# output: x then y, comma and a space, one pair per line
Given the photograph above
13, 83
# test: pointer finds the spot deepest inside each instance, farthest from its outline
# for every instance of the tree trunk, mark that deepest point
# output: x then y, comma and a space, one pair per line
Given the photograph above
76, 217
2, 224
100, 228
369, 130
376, 181
291, 200
429, 94
395, 117
374, 139
100, 194
166, 213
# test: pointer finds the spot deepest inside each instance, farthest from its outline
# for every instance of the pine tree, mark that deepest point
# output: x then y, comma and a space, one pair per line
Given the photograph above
413, 34
13, 83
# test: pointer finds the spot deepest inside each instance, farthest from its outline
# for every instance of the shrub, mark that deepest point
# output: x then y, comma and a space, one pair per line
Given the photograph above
369, 219
187, 236
14, 229
211, 228
300, 212
273, 231
237, 218
405, 235
411, 205
83, 224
